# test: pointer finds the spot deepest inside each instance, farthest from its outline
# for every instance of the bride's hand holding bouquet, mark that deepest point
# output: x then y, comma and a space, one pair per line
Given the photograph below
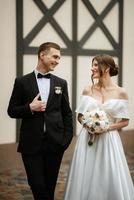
96, 122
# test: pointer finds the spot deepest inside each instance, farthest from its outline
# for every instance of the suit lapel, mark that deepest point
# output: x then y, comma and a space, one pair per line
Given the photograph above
51, 89
34, 86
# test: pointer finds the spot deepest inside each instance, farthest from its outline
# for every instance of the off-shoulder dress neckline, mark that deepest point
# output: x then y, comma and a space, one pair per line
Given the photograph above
106, 101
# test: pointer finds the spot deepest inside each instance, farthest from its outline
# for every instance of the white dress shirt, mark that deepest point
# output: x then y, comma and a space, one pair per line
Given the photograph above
44, 87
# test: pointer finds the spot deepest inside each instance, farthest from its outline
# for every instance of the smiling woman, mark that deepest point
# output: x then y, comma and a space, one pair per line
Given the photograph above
103, 64
92, 164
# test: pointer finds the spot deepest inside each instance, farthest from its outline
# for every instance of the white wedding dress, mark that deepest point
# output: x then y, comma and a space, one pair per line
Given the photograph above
100, 171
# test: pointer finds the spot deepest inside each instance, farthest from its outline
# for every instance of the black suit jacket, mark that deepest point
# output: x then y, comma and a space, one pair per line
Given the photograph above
57, 116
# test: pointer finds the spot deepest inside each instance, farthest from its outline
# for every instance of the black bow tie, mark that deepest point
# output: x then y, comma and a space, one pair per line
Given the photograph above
43, 76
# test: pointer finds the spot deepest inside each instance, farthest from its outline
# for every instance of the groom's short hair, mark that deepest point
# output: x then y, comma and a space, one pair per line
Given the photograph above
46, 47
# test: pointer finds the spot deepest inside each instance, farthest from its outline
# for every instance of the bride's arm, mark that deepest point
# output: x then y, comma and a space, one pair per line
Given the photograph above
124, 122
86, 91
119, 125
80, 118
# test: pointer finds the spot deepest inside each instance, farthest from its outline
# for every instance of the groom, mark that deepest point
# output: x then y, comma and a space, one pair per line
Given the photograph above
40, 99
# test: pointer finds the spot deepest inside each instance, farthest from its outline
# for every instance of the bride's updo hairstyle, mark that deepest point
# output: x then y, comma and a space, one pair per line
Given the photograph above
104, 62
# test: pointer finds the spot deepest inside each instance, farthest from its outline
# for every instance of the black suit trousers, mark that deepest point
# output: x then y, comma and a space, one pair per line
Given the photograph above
42, 171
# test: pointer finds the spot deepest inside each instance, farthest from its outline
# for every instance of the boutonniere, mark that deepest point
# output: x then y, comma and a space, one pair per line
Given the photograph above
58, 90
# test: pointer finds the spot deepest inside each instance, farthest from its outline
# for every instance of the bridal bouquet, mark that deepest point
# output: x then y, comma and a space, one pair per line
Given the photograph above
96, 121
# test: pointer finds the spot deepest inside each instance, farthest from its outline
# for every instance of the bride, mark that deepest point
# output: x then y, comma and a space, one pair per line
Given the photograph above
100, 171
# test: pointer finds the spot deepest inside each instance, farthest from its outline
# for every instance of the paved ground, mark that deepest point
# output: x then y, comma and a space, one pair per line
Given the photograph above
13, 183
65, 165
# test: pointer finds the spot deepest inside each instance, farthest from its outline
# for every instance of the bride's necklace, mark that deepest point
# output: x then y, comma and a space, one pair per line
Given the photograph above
104, 93
102, 96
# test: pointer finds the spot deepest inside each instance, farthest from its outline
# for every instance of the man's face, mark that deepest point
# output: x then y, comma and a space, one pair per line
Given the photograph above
50, 59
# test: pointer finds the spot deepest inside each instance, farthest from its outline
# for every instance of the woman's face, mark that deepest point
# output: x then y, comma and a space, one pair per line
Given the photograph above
95, 69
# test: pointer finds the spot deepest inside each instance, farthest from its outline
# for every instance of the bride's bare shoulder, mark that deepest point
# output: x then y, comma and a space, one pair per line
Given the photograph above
122, 93
87, 90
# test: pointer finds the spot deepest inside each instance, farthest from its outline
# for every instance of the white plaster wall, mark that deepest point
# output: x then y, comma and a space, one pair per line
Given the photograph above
8, 52
7, 67
128, 56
